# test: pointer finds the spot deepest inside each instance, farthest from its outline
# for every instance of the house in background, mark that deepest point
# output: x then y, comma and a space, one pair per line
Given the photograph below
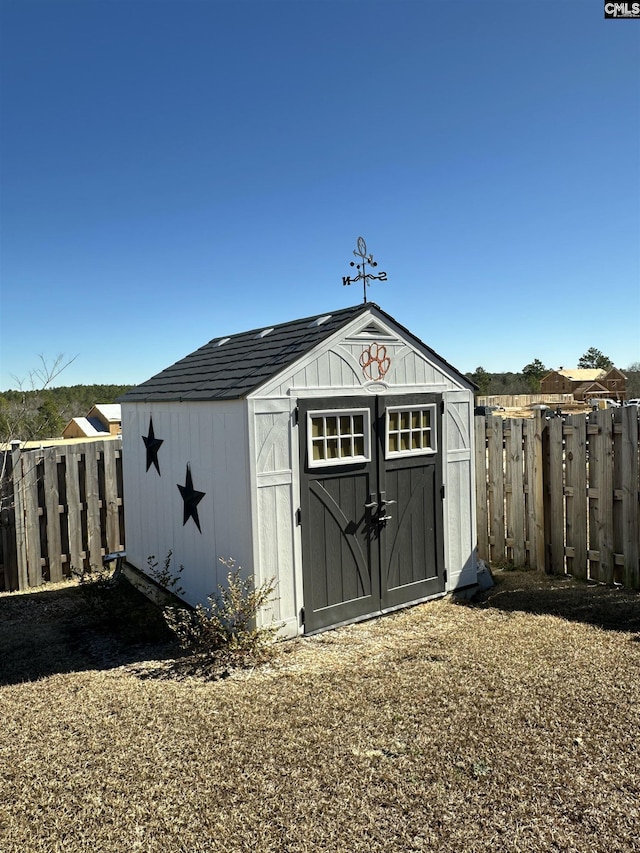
585, 383
102, 421
333, 454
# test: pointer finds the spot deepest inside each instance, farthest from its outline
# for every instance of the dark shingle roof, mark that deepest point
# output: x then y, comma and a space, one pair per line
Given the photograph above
229, 368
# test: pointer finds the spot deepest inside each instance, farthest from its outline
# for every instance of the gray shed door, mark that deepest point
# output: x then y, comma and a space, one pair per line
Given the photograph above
371, 505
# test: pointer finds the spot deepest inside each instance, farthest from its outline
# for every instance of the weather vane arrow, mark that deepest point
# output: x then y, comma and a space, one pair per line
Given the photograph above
363, 276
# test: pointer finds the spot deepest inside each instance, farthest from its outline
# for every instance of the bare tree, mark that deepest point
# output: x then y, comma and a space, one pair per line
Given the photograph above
18, 422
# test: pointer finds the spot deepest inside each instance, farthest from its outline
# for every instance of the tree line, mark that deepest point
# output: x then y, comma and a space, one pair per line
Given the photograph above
44, 412
527, 381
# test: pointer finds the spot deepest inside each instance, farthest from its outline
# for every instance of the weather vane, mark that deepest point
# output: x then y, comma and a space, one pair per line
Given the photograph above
363, 276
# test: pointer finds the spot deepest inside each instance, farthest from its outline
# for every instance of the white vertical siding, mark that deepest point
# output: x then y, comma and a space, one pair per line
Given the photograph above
212, 438
274, 508
460, 523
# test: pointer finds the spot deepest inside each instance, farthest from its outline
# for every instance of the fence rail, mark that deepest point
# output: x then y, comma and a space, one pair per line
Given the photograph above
61, 511
561, 496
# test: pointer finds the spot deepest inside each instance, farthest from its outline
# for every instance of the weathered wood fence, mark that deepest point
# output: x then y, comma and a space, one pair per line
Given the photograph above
61, 511
561, 495
521, 401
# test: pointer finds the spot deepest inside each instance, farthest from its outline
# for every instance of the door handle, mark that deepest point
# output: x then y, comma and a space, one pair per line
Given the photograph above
372, 504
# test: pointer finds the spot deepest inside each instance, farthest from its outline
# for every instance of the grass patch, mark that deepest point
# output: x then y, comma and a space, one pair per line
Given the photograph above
505, 725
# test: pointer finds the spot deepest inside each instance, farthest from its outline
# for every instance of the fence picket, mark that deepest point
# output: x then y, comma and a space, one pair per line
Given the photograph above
92, 486
75, 556
22, 575
630, 496
110, 501
515, 478
601, 550
496, 490
52, 503
555, 498
532, 430
576, 495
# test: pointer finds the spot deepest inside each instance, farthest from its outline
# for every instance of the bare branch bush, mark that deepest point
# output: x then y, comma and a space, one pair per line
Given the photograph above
225, 634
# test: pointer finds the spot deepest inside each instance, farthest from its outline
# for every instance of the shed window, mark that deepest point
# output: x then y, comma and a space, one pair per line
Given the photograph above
338, 437
411, 431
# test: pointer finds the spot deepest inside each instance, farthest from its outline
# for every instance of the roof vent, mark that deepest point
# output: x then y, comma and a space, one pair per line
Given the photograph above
374, 330
223, 341
319, 321
264, 333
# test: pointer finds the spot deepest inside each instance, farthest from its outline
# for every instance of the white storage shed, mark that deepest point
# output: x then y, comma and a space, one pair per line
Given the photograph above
332, 453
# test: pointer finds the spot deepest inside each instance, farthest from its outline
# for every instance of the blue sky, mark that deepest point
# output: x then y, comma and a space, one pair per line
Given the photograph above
175, 171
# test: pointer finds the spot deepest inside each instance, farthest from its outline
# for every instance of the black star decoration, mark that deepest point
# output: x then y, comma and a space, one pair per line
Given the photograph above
153, 446
191, 499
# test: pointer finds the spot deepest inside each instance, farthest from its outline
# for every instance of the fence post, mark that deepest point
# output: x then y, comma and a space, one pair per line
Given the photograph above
535, 493
515, 477
92, 485
630, 496
496, 490
555, 498
576, 495
52, 502
482, 496
74, 508
601, 540
110, 499
8, 523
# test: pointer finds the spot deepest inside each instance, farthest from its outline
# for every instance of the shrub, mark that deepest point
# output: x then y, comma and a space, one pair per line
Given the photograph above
224, 634
163, 575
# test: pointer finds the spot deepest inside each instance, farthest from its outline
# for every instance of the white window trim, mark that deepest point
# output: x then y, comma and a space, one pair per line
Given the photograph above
348, 460
428, 451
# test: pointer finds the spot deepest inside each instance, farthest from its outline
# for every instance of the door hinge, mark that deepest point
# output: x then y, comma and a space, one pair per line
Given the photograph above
444, 575
296, 415
442, 407
298, 517
302, 617
442, 490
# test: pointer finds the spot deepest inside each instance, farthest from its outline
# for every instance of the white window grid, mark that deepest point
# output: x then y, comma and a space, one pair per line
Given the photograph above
338, 437
410, 431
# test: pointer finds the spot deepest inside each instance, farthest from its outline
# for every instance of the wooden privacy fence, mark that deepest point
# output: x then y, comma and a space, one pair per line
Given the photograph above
561, 495
521, 401
61, 511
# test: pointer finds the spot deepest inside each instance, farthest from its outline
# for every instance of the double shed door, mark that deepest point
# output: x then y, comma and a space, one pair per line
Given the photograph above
371, 505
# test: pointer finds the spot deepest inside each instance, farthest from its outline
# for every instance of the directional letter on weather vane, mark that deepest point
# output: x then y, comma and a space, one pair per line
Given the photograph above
363, 276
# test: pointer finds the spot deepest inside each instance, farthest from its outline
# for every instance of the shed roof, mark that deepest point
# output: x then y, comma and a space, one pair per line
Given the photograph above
231, 367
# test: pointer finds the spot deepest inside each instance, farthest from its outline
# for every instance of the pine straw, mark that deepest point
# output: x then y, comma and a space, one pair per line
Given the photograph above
497, 726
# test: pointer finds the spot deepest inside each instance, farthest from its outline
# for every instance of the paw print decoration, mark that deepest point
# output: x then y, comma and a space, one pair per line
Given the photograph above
375, 362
